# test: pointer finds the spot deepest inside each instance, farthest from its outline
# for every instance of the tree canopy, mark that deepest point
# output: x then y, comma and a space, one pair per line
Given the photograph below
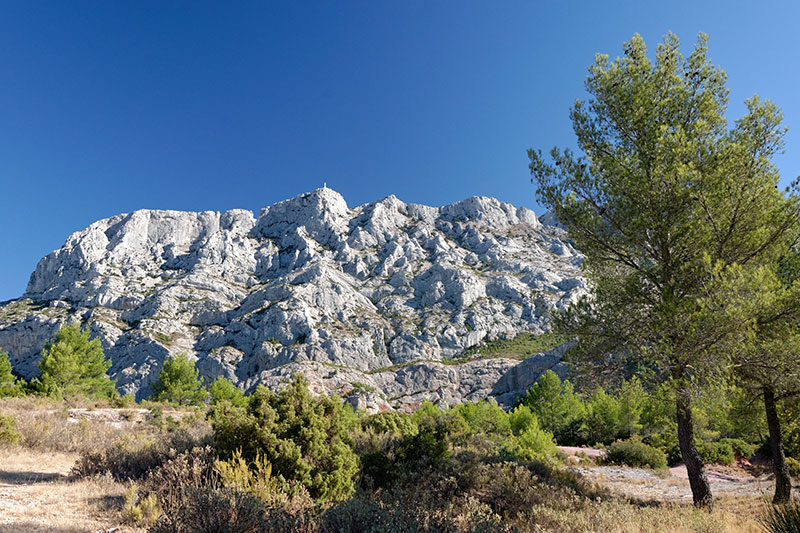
74, 365
178, 382
675, 214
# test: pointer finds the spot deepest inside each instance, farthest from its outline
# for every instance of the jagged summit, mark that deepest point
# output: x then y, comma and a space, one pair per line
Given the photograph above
310, 281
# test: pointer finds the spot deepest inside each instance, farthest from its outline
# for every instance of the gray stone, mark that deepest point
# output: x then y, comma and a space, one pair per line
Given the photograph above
342, 294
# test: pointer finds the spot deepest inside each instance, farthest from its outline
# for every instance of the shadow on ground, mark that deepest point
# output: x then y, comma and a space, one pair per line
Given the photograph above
28, 478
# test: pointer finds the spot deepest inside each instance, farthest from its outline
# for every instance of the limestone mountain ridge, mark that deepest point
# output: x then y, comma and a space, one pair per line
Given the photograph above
386, 303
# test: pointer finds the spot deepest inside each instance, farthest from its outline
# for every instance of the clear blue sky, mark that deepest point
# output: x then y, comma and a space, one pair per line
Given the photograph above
107, 107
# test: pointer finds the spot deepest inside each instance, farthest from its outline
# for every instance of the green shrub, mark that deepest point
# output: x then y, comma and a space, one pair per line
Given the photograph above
782, 518
634, 452
72, 365
720, 453
794, 466
391, 422
8, 430
483, 417
559, 409
10, 385
138, 508
601, 419
535, 444
306, 439
223, 389
740, 448
178, 382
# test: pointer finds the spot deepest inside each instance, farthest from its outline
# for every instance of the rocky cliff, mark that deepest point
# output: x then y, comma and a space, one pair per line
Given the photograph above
380, 303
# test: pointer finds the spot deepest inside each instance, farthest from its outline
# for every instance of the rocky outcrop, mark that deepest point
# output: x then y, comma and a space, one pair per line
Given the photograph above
381, 295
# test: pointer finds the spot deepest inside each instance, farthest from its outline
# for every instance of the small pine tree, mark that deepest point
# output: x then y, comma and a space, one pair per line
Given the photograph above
9, 384
557, 407
223, 389
178, 382
73, 365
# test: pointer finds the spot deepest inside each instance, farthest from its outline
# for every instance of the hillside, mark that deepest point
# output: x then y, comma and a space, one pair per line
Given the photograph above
387, 303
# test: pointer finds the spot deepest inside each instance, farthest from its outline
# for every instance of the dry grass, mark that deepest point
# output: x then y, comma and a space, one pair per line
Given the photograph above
36, 494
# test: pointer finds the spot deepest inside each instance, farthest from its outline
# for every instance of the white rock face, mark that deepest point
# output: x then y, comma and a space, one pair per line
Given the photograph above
310, 285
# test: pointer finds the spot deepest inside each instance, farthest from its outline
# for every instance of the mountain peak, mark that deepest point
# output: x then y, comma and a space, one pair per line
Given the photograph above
308, 282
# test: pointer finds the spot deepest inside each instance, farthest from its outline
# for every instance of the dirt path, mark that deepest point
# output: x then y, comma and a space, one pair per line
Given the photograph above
37, 495
671, 485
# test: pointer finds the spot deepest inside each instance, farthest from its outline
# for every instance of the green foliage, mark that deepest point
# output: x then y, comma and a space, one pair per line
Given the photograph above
794, 466
223, 390
178, 382
632, 399
140, 509
8, 430
720, 453
10, 385
394, 422
532, 443
73, 365
679, 217
483, 417
633, 452
304, 438
558, 408
601, 420
740, 448
521, 346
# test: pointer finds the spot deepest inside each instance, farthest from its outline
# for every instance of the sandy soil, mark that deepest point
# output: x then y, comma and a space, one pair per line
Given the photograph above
673, 485
36, 494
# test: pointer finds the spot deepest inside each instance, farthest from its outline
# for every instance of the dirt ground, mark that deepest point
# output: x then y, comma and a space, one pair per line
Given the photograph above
36, 494
736, 481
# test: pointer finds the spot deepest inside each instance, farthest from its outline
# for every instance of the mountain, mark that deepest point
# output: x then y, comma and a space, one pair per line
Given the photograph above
386, 303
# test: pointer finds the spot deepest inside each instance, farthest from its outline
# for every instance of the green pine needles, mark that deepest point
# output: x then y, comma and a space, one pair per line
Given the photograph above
178, 382
73, 365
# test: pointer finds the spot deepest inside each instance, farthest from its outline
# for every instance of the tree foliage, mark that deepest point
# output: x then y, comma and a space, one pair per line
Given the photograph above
304, 438
10, 385
675, 213
74, 365
178, 382
222, 389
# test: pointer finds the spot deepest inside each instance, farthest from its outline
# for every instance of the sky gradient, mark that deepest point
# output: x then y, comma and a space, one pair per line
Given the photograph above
109, 107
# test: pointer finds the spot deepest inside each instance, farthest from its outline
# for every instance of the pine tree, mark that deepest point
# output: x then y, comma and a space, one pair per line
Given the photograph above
223, 389
74, 365
671, 210
178, 382
9, 383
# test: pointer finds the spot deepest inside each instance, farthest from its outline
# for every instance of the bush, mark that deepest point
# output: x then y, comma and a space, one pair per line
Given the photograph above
192, 469
720, 453
633, 452
10, 385
223, 389
178, 382
393, 422
782, 518
138, 509
303, 437
8, 430
741, 449
73, 365
559, 410
211, 510
133, 457
794, 466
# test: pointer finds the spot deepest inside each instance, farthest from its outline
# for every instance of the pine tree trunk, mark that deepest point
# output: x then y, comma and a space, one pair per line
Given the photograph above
695, 468
783, 483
